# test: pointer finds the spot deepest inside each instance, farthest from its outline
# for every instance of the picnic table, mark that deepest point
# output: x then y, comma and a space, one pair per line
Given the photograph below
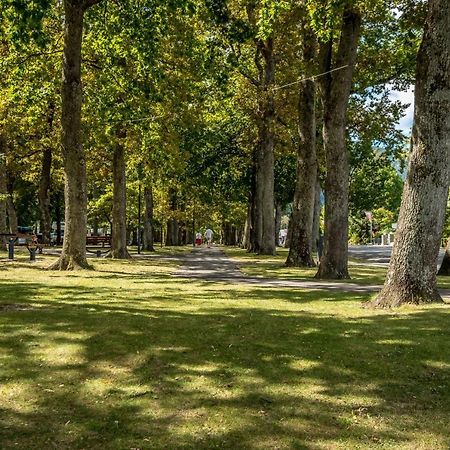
30, 240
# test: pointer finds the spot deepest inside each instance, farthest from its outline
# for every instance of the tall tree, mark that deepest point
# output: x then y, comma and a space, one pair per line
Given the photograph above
119, 217
300, 250
411, 276
148, 218
44, 183
3, 210
336, 87
73, 254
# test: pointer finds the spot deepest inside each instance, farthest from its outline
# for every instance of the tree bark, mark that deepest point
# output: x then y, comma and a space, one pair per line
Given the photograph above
3, 189
246, 233
278, 213
44, 183
44, 195
336, 88
445, 265
13, 221
119, 211
172, 237
58, 217
316, 219
73, 254
148, 219
411, 276
265, 161
300, 250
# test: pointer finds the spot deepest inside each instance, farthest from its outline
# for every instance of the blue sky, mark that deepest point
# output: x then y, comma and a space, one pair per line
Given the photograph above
405, 123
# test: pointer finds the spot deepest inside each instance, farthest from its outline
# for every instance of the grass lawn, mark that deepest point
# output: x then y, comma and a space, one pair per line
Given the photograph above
127, 357
274, 267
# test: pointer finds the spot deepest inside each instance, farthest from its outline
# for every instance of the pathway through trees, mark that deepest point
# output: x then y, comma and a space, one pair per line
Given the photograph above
211, 264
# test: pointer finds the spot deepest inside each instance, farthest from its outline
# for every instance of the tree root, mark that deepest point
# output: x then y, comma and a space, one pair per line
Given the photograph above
390, 297
67, 262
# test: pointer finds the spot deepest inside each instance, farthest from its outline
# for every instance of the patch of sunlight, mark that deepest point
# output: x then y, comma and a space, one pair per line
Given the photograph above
56, 355
97, 386
438, 365
17, 397
178, 349
396, 342
200, 369
304, 364
311, 330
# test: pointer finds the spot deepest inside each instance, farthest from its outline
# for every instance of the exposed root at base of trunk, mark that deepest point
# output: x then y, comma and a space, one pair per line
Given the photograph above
331, 274
119, 254
66, 262
390, 297
306, 263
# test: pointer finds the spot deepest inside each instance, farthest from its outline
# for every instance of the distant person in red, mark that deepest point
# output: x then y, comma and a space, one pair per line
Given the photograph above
198, 239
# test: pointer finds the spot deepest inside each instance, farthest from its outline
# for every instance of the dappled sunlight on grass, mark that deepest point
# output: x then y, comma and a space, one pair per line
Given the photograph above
128, 357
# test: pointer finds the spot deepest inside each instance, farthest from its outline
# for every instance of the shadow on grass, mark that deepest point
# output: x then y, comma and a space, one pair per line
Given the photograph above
87, 370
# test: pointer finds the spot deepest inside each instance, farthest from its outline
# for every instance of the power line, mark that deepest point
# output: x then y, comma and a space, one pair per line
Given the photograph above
309, 78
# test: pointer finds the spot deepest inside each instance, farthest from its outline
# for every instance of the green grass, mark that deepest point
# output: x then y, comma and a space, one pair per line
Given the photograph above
128, 357
361, 272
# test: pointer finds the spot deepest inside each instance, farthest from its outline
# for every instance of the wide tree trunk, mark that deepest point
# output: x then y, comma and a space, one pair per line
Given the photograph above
336, 88
411, 276
445, 265
300, 250
119, 210
148, 219
265, 161
173, 230
73, 254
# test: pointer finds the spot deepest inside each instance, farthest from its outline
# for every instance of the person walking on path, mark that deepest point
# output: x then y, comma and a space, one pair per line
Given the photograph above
208, 237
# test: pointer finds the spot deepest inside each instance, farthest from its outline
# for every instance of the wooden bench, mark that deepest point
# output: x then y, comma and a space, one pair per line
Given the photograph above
98, 240
93, 244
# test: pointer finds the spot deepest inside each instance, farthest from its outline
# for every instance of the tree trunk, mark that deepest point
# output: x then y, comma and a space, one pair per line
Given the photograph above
44, 183
300, 250
3, 189
119, 210
172, 237
336, 88
44, 195
254, 217
316, 219
148, 219
265, 161
278, 213
10, 206
245, 243
445, 266
73, 254
58, 218
411, 276
287, 242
